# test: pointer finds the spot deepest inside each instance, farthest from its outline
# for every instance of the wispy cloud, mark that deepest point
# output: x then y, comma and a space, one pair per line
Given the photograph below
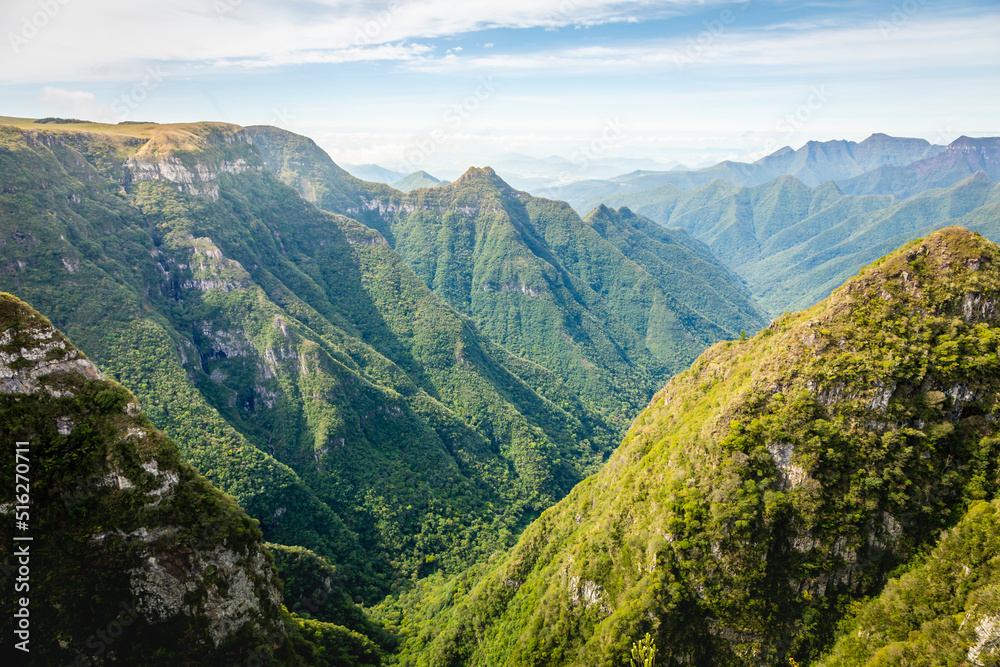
104, 39
392, 68
926, 43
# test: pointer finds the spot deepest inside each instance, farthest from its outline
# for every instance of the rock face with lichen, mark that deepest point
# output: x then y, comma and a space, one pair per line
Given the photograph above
135, 558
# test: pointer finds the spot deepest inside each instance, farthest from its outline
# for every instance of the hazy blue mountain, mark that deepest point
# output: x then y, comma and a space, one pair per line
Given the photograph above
961, 159
814, 163
374, 173
416, 180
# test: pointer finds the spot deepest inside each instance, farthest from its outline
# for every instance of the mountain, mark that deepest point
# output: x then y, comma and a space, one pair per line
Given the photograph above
763, 491
879, 165
127, 555
794, 244
814, 163
530, 173
961, 159
416, 180
533, 276
295, 358
700, 288
819, 161
374, 173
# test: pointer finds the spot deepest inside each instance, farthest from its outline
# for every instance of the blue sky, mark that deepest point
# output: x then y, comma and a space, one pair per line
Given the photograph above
440, 85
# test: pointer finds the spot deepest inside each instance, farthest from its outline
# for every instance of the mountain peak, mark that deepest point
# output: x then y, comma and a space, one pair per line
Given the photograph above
972, 143
941, 251
484, 173
478, 172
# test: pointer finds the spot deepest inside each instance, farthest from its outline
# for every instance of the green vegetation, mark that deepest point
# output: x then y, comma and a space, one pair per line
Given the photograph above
794, 244
943, 611
611, 306
297, 360
133, 556
417, 397
762, 493
644, 652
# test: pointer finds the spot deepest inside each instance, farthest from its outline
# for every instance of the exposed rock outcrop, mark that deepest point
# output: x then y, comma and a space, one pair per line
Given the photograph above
116, 518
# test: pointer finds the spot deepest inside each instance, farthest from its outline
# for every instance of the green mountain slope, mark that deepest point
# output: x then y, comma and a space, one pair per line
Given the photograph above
794, 244
297, 360
131, 556
601, 313
762, 491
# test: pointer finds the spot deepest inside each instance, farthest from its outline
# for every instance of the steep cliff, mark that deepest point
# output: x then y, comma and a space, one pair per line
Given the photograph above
132, 557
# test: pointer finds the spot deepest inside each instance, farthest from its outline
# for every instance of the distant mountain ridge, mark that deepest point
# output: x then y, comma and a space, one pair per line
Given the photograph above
374, 173
878, 165
794, 244
416, 180
962, 158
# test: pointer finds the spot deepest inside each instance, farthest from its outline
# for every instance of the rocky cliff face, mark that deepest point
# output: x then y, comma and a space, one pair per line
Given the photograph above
194, 162
965, 156
134, 557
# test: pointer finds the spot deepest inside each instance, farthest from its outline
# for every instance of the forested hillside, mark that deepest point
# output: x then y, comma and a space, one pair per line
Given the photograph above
766, 490
795, 244
124, 552
296, 359
612, 316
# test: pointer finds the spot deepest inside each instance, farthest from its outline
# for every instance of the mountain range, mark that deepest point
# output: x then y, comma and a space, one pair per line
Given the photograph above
611, 318
415, 412
794, 242
307, 370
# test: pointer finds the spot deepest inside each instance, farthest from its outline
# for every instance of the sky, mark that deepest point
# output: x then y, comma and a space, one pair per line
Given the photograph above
441, 84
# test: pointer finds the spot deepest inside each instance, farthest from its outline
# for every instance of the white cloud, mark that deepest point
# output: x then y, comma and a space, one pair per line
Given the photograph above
74, 104
921, 44
109, 40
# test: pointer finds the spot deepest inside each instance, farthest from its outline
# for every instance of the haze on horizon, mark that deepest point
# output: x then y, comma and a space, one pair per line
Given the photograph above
438, 86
